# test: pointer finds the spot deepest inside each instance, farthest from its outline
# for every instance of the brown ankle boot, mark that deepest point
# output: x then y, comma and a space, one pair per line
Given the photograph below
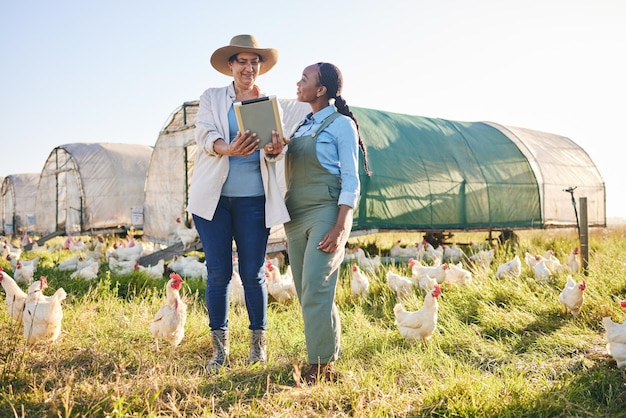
324, 372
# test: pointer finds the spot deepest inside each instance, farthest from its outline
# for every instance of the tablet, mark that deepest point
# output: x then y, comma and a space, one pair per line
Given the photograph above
260, 116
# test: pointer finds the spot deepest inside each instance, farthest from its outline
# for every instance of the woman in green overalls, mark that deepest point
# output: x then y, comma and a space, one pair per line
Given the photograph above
322, 189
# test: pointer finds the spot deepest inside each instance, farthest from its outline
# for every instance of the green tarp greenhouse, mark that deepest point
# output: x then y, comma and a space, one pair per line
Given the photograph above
446, 175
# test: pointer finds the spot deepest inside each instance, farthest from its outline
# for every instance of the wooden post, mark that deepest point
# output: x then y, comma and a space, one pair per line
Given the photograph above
584, 236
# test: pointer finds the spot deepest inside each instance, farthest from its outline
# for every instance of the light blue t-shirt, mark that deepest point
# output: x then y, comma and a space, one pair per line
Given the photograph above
244, 174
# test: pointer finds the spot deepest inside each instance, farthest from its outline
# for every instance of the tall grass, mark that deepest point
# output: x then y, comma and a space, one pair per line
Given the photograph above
502, 348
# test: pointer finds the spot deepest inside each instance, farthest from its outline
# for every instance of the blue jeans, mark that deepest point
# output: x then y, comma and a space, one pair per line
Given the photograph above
241, 219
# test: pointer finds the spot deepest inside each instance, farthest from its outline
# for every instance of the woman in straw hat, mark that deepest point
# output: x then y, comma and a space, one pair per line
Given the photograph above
323, 186
235, 194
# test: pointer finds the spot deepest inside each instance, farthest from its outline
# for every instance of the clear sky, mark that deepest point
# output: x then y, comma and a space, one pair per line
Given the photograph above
113, 71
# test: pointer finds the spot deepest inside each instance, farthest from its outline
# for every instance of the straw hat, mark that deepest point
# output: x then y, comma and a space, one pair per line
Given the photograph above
243, 43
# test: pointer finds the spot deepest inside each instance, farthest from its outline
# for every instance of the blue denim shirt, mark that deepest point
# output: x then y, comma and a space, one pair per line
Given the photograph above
337, 149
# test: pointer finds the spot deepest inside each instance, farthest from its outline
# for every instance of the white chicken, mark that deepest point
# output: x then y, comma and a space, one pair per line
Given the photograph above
552, 262
42, 314
435, 272
178, 262
541, 271
275, 261
169, 321
432, 255
429, 254
572, 263
236, 291
360, 283
483, 258
110, 251
456, 274
87, 271
531, 260
280, 286
196, 268
288, 273
419, 325
615, 336
68, 241
615, 332
401, 285
26, 239
25, 263
189, 266
75, 245
415, 264
78, 245
427, 283
512, 268
396, 250
573, 295
69, 264
399, 251
155, 271
421, 251
15, 296
121, 267
24, 272
452, 253
369, 264
351, 254
8, 250
187, 235
477, 246
86, 261
12, 260
131, 252
96, 250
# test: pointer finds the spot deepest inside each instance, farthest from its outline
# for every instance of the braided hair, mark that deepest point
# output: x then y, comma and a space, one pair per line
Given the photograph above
331, 78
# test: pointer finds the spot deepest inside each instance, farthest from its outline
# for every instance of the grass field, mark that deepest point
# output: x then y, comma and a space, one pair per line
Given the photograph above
502, 348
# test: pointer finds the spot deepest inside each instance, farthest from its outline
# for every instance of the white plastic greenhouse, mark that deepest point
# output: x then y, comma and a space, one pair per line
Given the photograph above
85, 187
19, 195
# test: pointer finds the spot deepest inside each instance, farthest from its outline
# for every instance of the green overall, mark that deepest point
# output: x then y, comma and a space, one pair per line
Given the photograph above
312, 196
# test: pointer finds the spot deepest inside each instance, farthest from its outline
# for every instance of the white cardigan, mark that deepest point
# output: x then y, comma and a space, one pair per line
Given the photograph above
211, 169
